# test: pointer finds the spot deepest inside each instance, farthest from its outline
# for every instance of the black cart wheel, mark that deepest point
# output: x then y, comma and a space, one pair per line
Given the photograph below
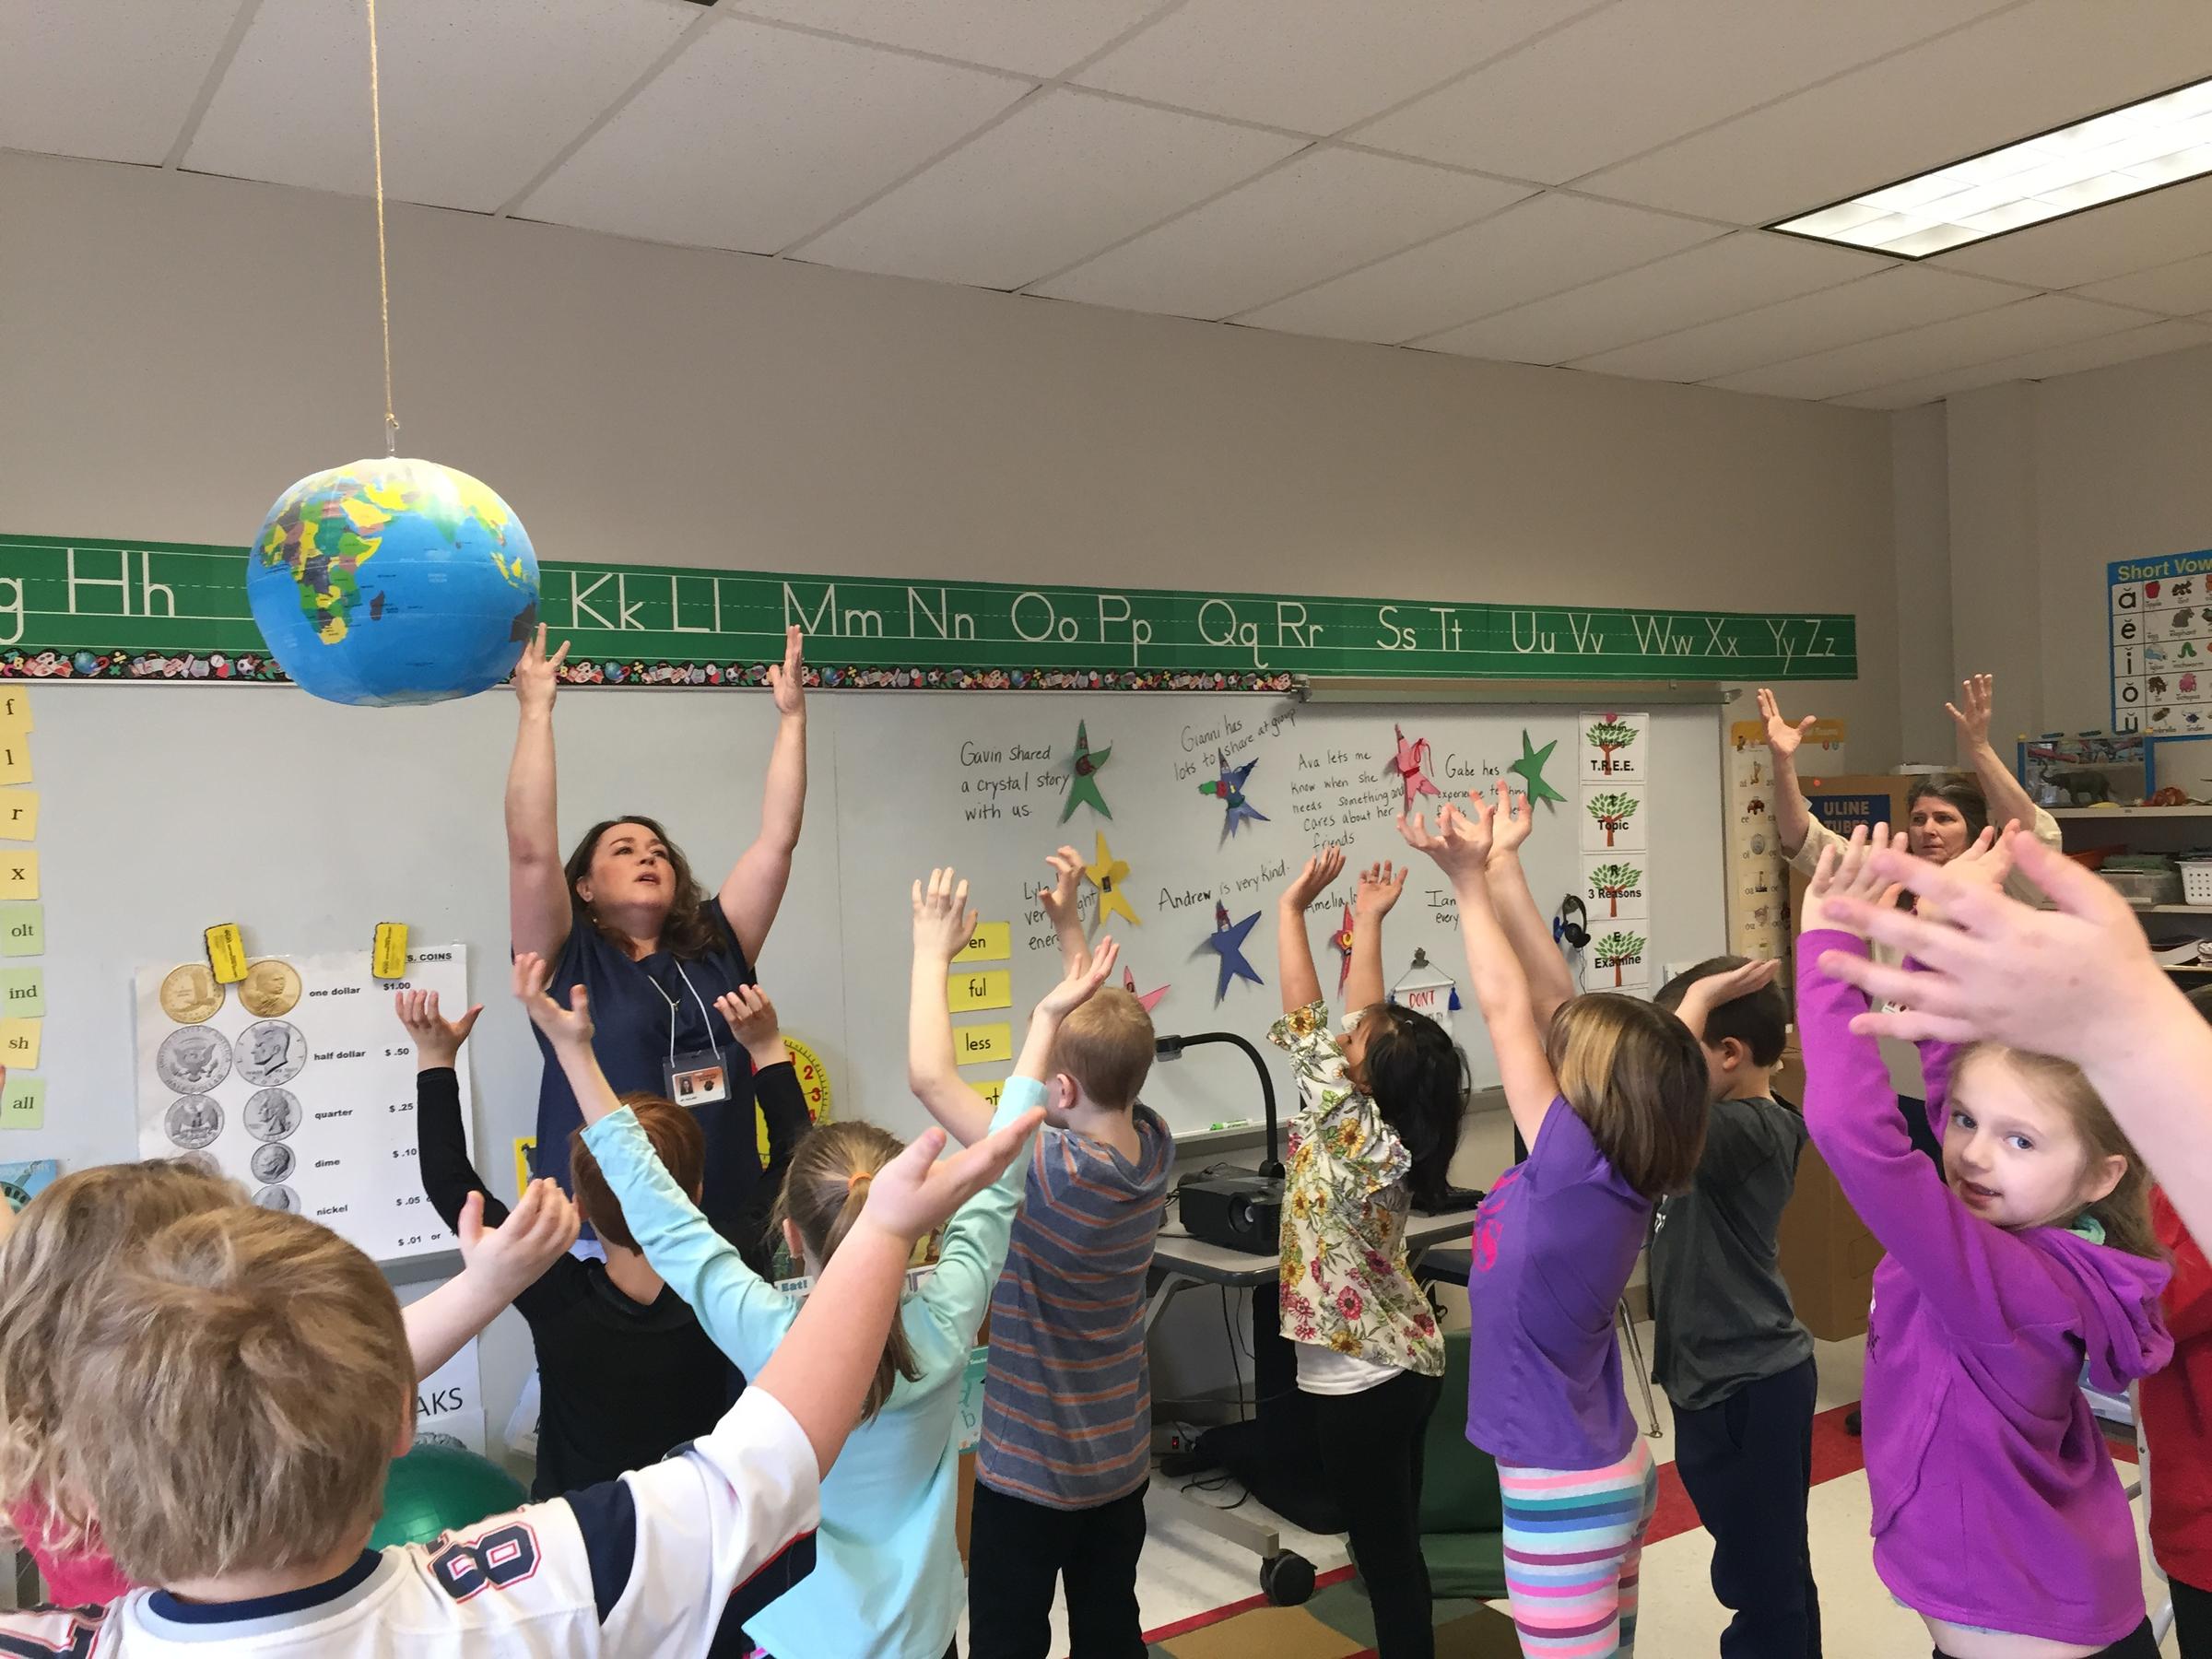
1286, 1579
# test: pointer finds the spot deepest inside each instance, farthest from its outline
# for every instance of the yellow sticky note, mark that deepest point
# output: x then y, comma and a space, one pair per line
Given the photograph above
19, 814
15, 710
22, 930
19, 873
226, 951
990, 942
973, 1045
989, 990
525, 1149
992, 1090
23, 1105
15, 758
20, 1042
389, 959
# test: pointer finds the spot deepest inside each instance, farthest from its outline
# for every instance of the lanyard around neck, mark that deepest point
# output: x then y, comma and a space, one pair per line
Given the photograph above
702, 1001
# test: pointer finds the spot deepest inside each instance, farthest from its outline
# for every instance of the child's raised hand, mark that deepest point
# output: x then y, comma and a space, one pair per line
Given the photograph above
1320, 869
787, 680
514, 1254
1717, 988
1847, 874
942, 923
1510, 825
1058, 897
1380, 885
752, 1017
1987, 863
917, 1191
1461, 843
436, 1040
569, 1028
1077, 988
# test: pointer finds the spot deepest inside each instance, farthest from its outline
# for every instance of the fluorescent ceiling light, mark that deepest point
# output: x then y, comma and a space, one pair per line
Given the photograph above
2121, 153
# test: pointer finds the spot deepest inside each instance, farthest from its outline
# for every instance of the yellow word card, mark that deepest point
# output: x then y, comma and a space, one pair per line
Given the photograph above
20, 1042
18, 815
976, 1045
990, 942
19, 873
965, 992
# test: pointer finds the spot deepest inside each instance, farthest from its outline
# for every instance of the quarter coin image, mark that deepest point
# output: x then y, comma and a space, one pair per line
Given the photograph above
193, 1121
273, 1114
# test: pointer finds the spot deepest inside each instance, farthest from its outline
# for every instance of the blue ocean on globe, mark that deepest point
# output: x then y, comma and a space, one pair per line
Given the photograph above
393, 581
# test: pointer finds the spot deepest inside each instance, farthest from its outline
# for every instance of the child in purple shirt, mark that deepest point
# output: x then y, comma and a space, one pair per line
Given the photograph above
1609, 1092
1997, 1517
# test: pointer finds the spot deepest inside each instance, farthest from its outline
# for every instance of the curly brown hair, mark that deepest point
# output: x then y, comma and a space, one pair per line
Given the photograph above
690, 931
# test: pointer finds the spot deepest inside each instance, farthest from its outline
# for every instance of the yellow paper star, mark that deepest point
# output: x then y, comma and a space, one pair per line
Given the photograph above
1107, 873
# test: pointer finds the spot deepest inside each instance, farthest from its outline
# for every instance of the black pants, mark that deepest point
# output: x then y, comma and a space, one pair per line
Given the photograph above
1748, 1465
2137, 1643
2192, 1619
1018, 1552
1371, 1457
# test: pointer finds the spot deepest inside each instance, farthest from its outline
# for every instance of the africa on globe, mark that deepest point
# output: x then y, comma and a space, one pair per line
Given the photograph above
393, 581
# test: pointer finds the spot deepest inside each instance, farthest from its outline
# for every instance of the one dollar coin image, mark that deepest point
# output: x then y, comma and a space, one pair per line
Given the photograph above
270, 988
191, 994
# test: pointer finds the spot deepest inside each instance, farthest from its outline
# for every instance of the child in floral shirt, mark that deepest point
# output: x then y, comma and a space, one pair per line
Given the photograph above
1377, 1124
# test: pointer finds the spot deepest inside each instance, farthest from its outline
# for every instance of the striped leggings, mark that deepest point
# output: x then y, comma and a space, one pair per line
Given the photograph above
1573, 1542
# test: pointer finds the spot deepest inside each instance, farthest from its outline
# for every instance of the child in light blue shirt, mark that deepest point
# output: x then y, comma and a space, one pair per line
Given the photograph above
888, 1583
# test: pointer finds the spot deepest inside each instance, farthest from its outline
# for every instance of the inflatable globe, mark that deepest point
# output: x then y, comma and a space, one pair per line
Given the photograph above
437, 1488
393, 581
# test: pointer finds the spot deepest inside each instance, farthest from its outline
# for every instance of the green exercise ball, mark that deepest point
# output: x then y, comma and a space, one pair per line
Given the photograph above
436, 1487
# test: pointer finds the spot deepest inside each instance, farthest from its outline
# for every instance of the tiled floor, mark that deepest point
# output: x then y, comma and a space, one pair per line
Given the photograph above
1187, 1571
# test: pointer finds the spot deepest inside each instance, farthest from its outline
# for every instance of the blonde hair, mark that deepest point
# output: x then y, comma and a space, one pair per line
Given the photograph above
1106, 1045
66, 1241
1637, 1078
240, 1383
823, 1194
2124, 1212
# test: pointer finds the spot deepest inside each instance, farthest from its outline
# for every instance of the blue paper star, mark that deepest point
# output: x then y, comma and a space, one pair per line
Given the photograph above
1229, 789
1227, 941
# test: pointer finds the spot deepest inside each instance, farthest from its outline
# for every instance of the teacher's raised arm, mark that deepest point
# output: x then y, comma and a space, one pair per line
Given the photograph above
753, 891
538, 907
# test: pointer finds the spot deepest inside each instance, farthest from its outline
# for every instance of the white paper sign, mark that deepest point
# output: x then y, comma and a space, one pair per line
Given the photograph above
449, 1404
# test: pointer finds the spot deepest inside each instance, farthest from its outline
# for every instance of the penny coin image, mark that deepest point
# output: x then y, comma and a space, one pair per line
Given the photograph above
192, 1061
272, 1051
193, 1121
277, 1199
190, 994
273, 1114
272, 1162
270, 988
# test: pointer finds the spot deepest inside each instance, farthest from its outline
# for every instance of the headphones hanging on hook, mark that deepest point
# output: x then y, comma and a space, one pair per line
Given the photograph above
1573, 933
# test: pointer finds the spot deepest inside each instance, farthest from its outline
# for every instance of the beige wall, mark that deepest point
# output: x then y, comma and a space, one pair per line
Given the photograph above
175, 349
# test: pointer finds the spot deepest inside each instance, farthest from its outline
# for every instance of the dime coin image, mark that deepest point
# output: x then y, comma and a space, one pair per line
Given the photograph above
277, 1199
190, 994
193, 1121
273, 1114
272, 1162
270, 988
193, 1060
272, 1051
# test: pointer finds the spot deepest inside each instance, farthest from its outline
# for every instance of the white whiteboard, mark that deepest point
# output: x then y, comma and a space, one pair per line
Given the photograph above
168, 809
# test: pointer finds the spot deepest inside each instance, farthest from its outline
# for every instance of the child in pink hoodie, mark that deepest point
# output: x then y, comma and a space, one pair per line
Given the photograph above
1997, 1515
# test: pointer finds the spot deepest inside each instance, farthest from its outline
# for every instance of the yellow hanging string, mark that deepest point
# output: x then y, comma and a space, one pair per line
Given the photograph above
384, 280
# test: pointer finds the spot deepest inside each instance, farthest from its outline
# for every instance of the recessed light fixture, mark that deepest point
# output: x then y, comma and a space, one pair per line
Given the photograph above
2124, 152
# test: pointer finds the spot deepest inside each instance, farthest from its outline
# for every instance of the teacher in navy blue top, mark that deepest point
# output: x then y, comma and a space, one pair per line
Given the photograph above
623, 916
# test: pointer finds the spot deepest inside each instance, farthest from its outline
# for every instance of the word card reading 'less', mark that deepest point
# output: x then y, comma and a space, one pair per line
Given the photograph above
976, 1045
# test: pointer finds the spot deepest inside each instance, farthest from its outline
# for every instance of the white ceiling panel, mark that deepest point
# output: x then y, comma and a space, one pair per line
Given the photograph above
1594, 93
1715, 279
2102, 352
1066, 174
2130, 235
1889, 300
1535, 248
1321, 213
112, 82
2029, 324
2006, 76
756, 137
477, 98
1043, 38
1316, 65
2183, 288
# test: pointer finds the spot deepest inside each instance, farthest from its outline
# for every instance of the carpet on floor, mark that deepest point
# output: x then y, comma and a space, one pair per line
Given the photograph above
1334, 1625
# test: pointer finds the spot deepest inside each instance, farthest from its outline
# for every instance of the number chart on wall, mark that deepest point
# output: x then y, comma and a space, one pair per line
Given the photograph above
2161, 642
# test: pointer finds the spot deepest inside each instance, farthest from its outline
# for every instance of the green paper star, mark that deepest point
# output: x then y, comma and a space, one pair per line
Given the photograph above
1530, 767
1083, 775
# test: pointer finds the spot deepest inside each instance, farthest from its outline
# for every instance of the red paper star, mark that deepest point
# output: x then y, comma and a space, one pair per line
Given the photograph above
1149, 998
1411, 764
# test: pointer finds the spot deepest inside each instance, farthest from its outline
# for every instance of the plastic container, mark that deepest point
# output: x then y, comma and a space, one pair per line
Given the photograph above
2142, 888
2196, 881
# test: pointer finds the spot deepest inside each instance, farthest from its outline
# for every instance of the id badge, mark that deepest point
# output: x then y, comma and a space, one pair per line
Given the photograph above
698, 1078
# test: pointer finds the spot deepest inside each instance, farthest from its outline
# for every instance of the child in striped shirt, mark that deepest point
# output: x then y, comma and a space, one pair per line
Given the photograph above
1066, 1446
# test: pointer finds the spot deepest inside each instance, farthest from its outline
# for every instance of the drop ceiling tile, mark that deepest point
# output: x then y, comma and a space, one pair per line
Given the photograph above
2029, 324
1901, 298
2110, 241
1043, 38
1587, 95
2151, 340
1321, 213
2004, 77
2183, 288
756, 137
114, 81
477, 98
1066, 174
1315, 65
1714, 279
1535, 248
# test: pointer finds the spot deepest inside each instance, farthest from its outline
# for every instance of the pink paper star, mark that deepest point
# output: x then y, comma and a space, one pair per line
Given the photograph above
1342, 939
1149, 998
1411, 764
